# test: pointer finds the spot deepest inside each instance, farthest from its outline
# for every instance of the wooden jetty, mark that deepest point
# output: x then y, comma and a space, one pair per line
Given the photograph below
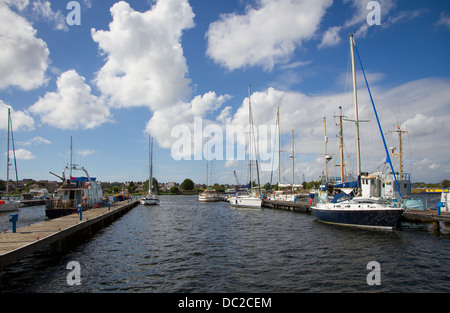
297, 206
426, 216
29, 239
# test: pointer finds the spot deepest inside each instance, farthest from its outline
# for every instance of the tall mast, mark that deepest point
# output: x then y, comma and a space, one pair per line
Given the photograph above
400, 152
325, 140
355, 98
150, 179
279, 146
292, 160
341, 145
7, 158
71, 156
251, 138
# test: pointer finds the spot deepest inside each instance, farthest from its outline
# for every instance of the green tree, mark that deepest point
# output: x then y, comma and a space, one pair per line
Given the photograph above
445, 183
155, 185
174, 190
187, 184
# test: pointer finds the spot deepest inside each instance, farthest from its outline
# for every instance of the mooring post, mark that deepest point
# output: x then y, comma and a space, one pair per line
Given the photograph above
439, 206
13, 219
80, 211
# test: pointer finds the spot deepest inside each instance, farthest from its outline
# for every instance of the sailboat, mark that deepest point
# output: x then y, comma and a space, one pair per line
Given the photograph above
251, 200
7, 205
209, 194
151, 198
363, 210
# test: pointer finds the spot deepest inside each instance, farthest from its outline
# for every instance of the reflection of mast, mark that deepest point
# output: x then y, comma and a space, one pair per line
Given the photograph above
399, 153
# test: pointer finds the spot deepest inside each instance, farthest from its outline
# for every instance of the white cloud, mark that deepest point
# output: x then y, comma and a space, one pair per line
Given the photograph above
444, 20
72, 106
21, 120
36, 141
331, 37
19, 4
163, 121
145, 65
22, 154
265, 35
43, 8
86, 152
23, 56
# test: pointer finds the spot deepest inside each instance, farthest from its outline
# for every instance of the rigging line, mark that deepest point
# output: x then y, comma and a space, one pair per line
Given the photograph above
388, 158
14, 152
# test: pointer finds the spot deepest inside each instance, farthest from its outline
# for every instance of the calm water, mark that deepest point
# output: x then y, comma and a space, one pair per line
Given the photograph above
186, 246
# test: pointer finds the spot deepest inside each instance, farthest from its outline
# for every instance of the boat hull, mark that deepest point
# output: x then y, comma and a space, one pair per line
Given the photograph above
147, 201
386, 218
208, 199
247, 202
9, 206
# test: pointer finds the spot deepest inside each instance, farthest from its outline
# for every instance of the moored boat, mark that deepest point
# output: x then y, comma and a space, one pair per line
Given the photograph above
252, 199
151, 198
84, 192
209, 195
368, 208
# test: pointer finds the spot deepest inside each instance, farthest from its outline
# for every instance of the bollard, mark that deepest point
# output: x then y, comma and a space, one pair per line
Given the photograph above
439, 206
109, 206
13, 219
80, 211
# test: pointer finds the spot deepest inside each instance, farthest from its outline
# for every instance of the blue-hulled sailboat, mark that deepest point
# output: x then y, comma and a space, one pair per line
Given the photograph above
364, 209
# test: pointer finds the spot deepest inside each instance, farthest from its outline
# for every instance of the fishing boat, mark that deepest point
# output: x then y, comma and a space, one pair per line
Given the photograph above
253, 198
445, 199
6, 204
363, 208
83, 192
151, 198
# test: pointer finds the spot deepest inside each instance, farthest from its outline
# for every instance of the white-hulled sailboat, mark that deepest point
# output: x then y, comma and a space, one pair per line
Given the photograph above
252, 199
362, 211
151, 198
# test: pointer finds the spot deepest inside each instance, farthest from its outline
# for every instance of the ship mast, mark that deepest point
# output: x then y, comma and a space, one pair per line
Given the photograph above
400, 152
355, 98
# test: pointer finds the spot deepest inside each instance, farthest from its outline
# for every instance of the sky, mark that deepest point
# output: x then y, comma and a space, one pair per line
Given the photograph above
110, 73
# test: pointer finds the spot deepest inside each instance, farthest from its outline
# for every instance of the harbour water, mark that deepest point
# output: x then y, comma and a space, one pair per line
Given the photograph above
183, 246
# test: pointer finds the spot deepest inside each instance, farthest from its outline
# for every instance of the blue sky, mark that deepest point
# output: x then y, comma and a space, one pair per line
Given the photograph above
139, 67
